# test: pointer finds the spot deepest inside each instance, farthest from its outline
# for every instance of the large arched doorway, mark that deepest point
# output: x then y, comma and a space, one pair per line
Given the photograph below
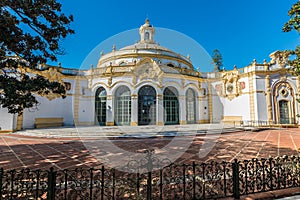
100, 106
190, 106
122, 109
171, 106
147, 106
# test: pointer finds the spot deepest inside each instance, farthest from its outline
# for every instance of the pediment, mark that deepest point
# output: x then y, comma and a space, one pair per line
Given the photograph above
147, 69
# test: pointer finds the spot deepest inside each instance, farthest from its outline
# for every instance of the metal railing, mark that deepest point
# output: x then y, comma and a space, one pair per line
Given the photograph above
261, 123
175, 181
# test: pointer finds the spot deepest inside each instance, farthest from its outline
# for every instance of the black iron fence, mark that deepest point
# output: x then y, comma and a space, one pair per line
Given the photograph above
176, 181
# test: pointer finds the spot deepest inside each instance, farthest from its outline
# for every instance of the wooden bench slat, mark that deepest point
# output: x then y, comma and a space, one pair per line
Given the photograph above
48, 122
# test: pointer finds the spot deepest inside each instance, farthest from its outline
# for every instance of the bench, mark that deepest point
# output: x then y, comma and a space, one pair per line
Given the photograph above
48, 122
236, 120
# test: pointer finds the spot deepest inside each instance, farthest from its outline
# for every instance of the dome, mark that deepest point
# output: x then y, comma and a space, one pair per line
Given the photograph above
145, 48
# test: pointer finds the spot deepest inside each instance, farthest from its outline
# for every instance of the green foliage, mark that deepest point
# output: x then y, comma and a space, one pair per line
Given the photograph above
294, 24
217, 60
30, 33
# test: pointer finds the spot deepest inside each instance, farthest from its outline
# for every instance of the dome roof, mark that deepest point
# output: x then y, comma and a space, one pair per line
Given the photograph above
146, 47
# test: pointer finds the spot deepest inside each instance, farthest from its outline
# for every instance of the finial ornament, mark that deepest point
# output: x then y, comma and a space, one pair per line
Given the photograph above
147, 32
265, 61
189, 57
147, 21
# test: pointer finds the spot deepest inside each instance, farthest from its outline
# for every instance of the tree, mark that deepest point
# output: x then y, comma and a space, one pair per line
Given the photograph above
30, 35
217, 60
294, 24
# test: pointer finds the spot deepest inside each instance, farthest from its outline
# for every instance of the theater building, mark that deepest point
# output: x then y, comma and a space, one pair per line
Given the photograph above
147, 84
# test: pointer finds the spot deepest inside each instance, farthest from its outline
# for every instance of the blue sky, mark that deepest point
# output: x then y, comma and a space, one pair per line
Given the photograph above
241, 29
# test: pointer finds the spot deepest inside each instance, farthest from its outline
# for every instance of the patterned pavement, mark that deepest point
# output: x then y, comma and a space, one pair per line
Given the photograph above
21, 151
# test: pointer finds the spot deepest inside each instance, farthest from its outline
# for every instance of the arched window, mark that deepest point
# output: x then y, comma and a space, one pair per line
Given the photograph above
190, 106
170, 65
122, 106
123, 63
171, 106
147, 36
147, 106
100, 106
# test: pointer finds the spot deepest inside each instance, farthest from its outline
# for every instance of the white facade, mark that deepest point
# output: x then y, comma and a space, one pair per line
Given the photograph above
147, 84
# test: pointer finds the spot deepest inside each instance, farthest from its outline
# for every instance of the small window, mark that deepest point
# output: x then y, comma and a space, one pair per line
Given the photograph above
170, 65
122, 63
68, 86
147, 36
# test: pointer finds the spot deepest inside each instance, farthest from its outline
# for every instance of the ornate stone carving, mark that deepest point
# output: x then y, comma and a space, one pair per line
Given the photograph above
147, 69
280, 58
242, 85
52, 74
230, 86
109, 81
199, 84
51, 96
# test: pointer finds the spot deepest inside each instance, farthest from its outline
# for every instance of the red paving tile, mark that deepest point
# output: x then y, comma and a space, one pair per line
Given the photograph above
18, 151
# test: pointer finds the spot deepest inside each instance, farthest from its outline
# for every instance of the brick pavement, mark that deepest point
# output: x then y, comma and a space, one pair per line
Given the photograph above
19, 151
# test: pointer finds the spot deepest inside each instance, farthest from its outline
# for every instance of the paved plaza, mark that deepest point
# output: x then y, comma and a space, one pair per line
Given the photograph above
63, 149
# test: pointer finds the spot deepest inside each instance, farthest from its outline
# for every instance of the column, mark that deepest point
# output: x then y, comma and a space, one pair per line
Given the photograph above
210, 103
134, 110
19, 122
160, 112
76, 99
251, 93
268, 99
182, 110
109, 111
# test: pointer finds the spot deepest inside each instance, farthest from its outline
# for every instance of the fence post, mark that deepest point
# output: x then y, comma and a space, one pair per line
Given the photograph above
1, 176
51, 184
149, 186
91, 183
194, 180
102, 183
235, 179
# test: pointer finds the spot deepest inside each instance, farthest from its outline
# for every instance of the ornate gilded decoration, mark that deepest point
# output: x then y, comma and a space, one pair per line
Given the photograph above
146, 69
160, 80
203, 91
230, 86
283, 91
109, 81
242, 85
199, 84
52, 96
52, 74
146, 72
219, 89
280, 58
